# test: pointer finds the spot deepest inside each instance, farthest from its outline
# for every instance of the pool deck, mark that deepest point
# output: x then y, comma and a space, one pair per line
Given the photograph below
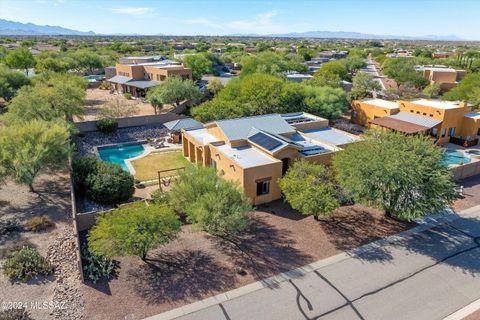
464, 151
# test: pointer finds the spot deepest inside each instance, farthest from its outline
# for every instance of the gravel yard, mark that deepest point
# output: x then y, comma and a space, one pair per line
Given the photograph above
196, 265
57, 244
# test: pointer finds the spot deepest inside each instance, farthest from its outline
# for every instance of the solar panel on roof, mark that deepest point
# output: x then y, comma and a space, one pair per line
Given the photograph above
265, 141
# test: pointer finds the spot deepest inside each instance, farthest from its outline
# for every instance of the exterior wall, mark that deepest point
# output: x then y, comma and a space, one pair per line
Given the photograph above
451, 118
469, 127
216, 132
135, 72
466, 170
273, 172
227, 166
367, 112
322, 158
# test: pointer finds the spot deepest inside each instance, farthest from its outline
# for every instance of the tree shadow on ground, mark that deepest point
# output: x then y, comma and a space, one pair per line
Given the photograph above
281, 209
51, 198
263, 250
181, 275
353, 226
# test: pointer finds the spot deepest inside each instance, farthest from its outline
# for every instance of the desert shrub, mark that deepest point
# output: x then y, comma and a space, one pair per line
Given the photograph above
39, 223
81, 169
15, 314
101, 181
109, 184
107, 125
105, 85
127, 95
7, 249
159, 196
95, 266
26, 264
9, 226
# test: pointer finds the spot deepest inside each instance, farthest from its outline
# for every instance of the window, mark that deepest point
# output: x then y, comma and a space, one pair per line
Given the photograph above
411, 111
478, 132
434, 132
424, 113
263, 187
213, 163
354, 114
444, 132
451, 132
431, 115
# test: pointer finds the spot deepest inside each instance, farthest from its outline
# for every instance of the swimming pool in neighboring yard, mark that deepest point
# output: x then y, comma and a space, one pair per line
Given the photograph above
455, 157
117, 154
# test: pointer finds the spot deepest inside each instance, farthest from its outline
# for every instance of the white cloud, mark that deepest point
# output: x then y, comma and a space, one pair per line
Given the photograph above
262, 23
133, 10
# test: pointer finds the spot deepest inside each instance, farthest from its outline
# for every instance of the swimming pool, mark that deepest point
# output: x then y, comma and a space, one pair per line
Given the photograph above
455, 157
117, 154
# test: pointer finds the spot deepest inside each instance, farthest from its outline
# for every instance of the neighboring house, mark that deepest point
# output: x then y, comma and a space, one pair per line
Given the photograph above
256, 151
298, 77
445, 120
46, 46
446, 78
136, 75
442, 55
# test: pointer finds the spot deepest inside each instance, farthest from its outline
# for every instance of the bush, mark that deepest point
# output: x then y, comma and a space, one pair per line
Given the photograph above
95, 266
101, 181
107, 125
15, 314
109, 184
26, 264
127, 95
105, 85
39, 223
81, 169
159, 196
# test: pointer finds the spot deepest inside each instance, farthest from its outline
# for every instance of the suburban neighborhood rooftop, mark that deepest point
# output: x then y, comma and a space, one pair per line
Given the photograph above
245, 156
331, 136
437, 104
382, 103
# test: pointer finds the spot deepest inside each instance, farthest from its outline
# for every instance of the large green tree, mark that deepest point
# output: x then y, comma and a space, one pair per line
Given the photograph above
20, 58
326, 101
403, 175
172, 91
310, 189
468, 90
211, 203
200, 65
55, 96
330, 74
28, 148
272, 63
133, 229
364, 84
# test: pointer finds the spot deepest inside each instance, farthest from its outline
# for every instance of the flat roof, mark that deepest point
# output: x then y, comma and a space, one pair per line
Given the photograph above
309, 145
440, 69
332, 136
202, 136
437, 104
473, 115
382, 103
245, 156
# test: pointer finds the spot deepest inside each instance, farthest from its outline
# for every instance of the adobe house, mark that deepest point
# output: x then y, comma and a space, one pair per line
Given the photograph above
256, 151
446, 121
135, 75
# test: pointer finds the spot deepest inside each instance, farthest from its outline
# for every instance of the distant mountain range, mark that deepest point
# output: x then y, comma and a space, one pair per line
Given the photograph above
358, 35
17, 28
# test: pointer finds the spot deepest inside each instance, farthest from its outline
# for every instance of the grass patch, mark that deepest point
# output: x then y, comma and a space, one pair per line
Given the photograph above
146, 168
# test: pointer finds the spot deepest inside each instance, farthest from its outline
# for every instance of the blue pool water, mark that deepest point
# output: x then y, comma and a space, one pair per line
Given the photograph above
119, 153
455, 157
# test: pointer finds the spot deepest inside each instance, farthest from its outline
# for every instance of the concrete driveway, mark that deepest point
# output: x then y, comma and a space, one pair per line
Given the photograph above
428, 272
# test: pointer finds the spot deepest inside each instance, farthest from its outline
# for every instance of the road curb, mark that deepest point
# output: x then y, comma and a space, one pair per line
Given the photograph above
465, 311
274, 281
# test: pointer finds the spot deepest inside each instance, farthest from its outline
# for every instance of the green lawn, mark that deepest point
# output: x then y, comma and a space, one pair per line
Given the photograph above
147, 168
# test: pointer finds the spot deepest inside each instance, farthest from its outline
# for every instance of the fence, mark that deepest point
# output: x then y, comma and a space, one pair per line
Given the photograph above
88, 126
466, 170
74, 221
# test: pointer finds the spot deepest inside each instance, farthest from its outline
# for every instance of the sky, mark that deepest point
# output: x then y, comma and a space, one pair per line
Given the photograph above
226, 17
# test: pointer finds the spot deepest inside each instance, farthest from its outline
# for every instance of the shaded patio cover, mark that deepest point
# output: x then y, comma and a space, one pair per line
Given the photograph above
399, 125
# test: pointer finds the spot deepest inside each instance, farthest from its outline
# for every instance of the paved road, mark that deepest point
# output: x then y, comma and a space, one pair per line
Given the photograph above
426, 275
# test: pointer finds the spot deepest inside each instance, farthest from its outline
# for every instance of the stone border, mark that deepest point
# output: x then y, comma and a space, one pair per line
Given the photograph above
273, 281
